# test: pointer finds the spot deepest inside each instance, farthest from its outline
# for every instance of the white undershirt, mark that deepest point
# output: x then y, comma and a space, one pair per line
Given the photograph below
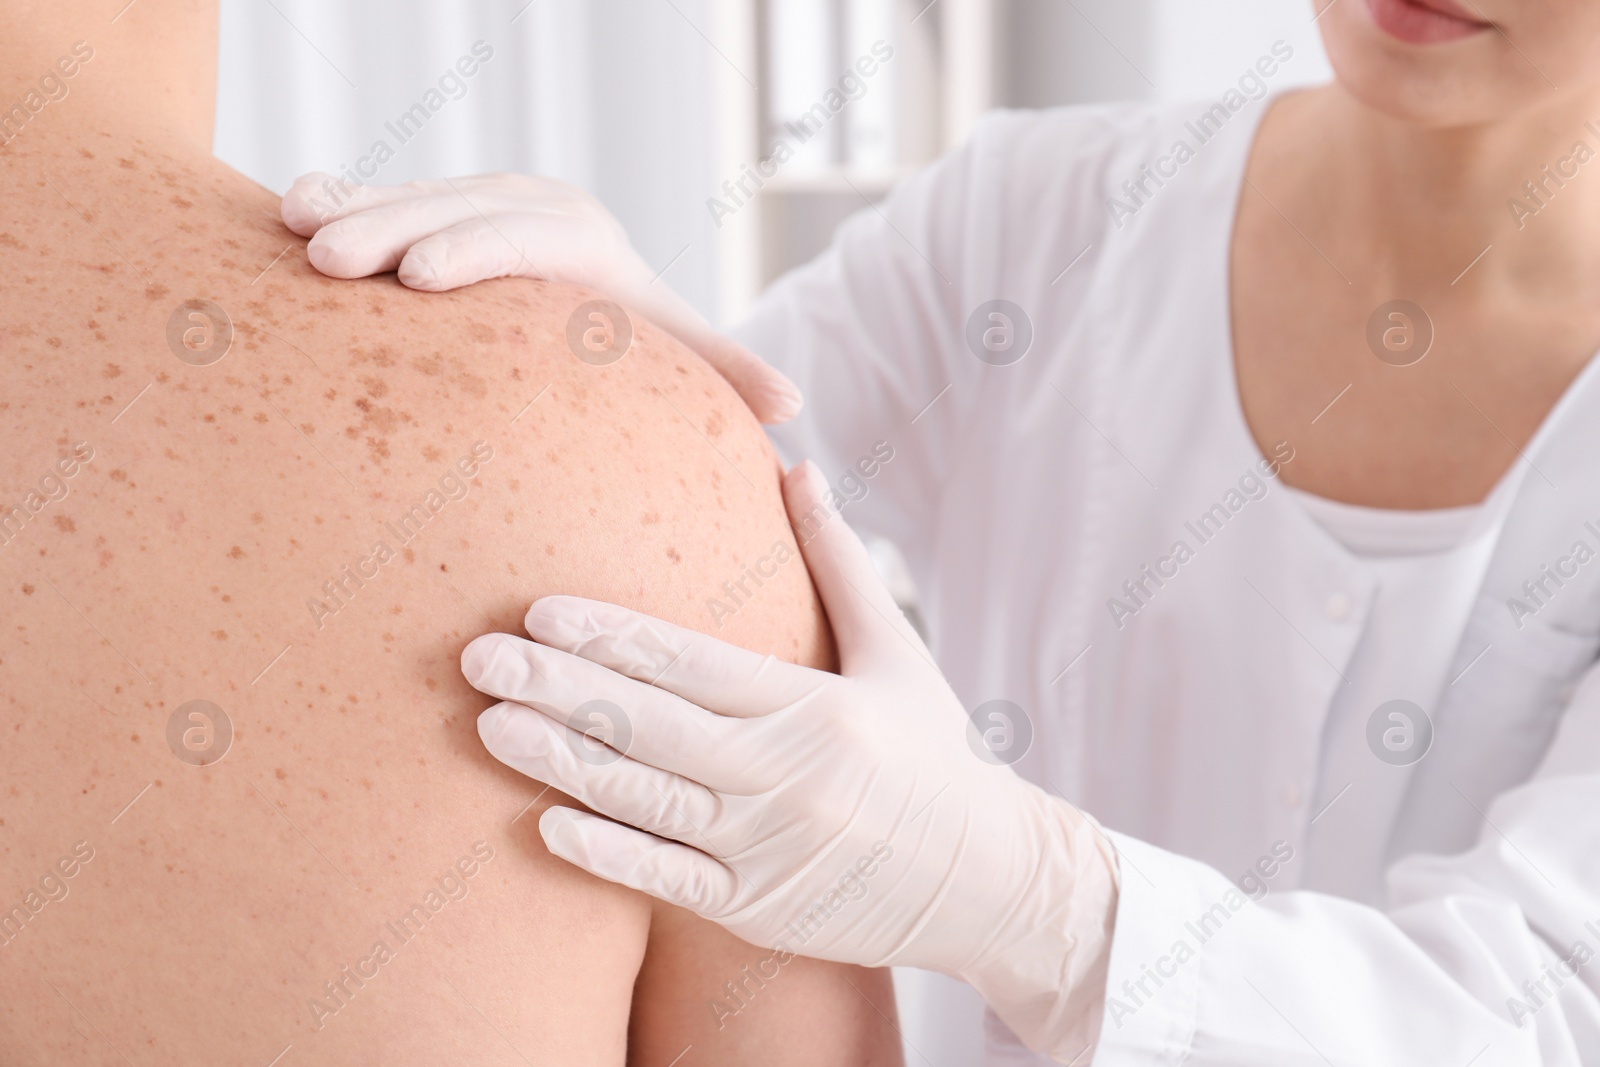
1429, 566
1377, 533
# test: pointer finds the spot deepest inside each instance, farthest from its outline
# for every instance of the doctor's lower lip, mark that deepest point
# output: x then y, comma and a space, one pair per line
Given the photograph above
1432, 22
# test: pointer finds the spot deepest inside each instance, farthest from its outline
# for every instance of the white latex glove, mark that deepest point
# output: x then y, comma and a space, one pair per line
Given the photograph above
846, 817
445, 234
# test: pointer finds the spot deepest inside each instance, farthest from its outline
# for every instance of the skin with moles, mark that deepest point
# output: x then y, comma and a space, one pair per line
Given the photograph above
221, 544
1391, 184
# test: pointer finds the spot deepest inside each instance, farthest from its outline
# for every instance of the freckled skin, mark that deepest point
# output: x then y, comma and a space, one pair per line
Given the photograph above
218, 503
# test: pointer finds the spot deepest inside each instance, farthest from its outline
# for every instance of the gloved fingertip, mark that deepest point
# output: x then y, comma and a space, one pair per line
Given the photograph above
508, 735
478, 658
781, 401
320, 256
492, 727
418, 271
301, 222
558, 827
552, 617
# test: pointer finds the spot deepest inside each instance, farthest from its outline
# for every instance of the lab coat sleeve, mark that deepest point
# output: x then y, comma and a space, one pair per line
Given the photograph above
1488, 958
865, 331
875, 330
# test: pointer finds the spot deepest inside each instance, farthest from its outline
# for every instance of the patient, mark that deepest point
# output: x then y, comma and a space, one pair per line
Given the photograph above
244, 813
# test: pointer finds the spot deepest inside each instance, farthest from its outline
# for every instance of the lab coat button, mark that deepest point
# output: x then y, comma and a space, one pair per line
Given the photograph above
1338, 607
1291, 794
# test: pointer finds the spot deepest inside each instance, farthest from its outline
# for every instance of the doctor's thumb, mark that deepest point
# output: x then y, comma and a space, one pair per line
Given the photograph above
866, 621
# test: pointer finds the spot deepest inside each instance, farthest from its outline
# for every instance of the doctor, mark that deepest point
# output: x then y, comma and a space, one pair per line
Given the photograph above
1244, 454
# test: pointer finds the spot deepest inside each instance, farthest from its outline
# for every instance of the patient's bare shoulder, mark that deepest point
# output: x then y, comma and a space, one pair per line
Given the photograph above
634, 472
294, 541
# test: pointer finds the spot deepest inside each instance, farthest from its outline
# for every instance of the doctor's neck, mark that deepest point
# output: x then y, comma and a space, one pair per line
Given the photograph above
1420, 192
148, 66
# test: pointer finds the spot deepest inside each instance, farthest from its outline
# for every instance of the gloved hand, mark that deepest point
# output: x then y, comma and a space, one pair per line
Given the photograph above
845, 816
446, 234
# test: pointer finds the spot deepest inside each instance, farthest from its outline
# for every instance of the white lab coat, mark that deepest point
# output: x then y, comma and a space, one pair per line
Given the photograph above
1024, 496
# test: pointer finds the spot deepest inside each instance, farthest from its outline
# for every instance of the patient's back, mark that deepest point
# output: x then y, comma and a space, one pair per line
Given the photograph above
294, 542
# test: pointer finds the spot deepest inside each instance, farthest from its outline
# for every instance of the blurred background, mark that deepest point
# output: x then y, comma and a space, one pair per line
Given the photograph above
729, 136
